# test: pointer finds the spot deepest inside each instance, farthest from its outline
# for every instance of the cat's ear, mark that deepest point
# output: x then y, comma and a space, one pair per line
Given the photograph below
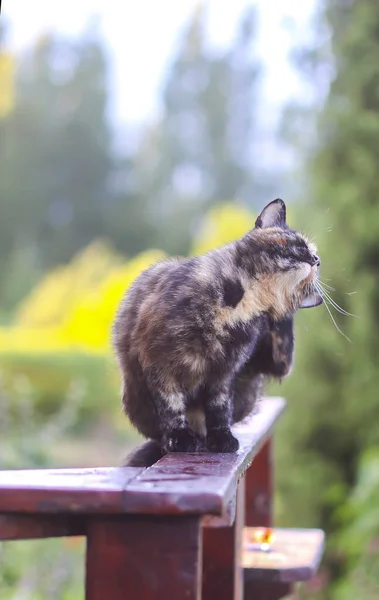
273, 215
311, 300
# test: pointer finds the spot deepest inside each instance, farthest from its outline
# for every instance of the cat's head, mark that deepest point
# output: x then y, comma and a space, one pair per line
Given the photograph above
286, 263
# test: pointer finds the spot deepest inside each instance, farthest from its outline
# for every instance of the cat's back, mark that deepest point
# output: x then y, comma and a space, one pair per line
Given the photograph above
145, 287
174, 298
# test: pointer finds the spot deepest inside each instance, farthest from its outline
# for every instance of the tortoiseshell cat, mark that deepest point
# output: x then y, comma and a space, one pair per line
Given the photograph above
196, 337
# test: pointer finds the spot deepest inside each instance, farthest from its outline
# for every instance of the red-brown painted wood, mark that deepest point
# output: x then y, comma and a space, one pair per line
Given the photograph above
267, 591
225, 520
259, 489
294, 555
200, 483
28, 527
155, 551
146, 558
65, 490
222, 568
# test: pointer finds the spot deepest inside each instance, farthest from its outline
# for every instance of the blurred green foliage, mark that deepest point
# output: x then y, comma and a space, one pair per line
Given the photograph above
48, 569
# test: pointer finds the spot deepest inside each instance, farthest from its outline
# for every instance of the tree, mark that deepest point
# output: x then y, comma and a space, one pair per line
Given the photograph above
334, 400
56, 159
199, 152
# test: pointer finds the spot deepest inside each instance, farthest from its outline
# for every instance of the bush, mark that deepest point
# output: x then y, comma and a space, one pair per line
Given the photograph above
48, 380
58, 348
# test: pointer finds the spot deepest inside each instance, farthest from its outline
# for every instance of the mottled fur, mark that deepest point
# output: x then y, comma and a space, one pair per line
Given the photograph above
195, 338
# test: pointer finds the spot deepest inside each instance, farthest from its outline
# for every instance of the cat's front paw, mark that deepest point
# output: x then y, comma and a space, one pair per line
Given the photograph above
181, 440
222, 440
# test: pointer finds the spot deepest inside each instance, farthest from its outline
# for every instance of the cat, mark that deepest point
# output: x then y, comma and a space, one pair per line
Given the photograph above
196, 337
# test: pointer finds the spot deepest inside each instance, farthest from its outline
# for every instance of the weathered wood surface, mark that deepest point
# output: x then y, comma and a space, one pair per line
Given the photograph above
295, 555
200, 483
65, 490
147, 558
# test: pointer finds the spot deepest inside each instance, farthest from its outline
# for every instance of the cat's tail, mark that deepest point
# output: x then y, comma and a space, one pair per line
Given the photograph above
144, 455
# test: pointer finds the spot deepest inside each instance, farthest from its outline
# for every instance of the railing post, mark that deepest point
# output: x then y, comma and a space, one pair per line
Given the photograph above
259, 513
259, 489
222, 568
151, 558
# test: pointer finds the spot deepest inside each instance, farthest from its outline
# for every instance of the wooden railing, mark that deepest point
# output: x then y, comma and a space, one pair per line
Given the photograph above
181, 529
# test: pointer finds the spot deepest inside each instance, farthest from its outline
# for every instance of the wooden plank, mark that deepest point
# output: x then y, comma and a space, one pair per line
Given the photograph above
259, 488
222, 568
201, 483
144, 557
29, 527
294, 555
226, 519
65, 490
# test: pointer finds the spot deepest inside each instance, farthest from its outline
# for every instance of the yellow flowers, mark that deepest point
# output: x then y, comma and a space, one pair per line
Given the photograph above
73, 307
89, 323
25, 339
55, 297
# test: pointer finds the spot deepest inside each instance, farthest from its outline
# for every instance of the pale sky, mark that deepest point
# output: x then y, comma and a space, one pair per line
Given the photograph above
149, 29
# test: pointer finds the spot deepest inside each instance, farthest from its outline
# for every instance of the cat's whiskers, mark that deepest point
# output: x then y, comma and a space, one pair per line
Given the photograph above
326, 284
321, 292
323, 281
334, 303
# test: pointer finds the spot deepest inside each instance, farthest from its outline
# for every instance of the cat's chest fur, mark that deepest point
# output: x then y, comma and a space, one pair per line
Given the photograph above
240, 321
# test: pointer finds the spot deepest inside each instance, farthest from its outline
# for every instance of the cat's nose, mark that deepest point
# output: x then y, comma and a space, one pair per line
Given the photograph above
315, 260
